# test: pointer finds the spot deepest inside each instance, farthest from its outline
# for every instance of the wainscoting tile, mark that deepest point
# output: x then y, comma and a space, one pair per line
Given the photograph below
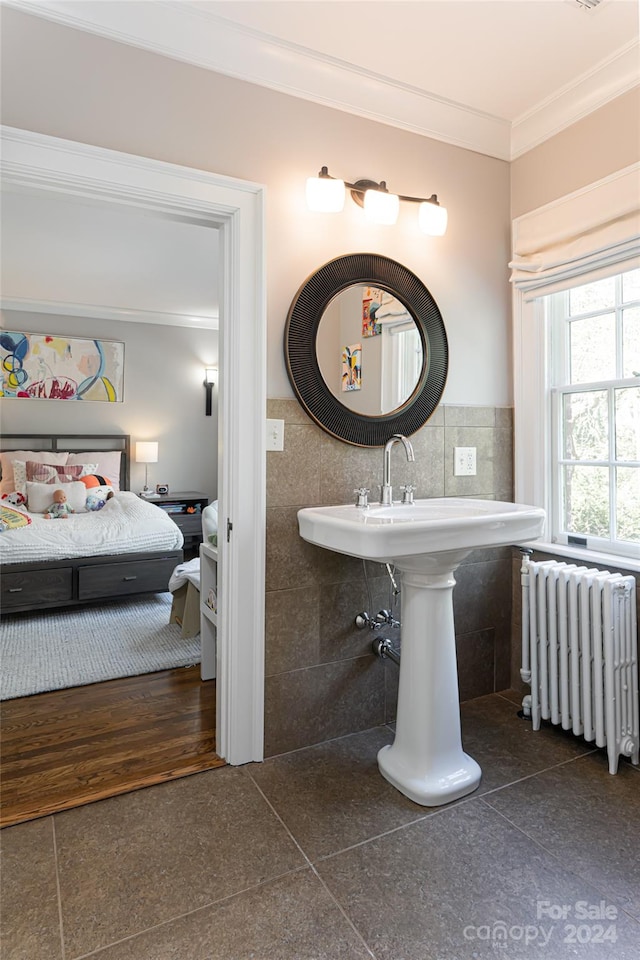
502, 654
292, 629
340, 639
469, 416
309, 706
504, 417
508, 748
343, 468
433, 889
293, 918
482, 596
133, 861
427, 472
289, 410
503, 464
292, 473
391, 681
475, 655
290, 560
482, 438
332, 796
337, 568
30, 921
555, 809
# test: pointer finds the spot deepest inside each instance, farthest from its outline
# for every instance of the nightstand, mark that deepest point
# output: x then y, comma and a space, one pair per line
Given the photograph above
185, 509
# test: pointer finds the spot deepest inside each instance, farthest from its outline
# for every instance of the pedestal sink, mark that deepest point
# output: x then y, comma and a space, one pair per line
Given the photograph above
426, 540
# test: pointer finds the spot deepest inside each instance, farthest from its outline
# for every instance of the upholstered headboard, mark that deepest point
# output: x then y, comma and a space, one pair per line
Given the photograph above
74, 443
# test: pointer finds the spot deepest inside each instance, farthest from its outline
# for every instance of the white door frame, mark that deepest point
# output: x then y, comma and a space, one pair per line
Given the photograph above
235, 208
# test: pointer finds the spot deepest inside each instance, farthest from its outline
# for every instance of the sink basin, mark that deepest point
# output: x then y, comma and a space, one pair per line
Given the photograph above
426, 540
443, 525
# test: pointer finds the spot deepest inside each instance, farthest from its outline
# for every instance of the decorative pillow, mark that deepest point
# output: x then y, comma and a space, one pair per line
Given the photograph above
7, 485
107, 463
11, 519
44, 472
40, 496
97, 497
54, 473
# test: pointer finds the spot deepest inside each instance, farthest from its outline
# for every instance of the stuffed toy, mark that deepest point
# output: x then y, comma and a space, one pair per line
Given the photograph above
95, 480
59, 509
15, 499
97, 497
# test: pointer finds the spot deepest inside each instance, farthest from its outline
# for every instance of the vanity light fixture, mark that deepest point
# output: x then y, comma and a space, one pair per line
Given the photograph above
210, 377
325, 194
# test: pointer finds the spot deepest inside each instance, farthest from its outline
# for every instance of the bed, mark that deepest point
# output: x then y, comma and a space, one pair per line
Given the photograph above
127, 547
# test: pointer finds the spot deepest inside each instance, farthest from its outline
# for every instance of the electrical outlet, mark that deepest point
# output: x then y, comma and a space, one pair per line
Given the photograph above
464, 461
275, 434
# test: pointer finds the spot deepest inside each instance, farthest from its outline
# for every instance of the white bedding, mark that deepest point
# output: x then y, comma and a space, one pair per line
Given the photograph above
126, 524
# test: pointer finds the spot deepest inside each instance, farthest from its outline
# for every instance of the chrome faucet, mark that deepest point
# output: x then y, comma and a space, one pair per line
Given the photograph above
386, 492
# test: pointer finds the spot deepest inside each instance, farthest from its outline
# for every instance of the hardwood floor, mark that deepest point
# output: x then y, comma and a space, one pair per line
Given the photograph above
69, 747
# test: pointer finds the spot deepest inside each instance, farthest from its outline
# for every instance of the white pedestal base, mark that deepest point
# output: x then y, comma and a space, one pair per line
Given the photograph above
426, 761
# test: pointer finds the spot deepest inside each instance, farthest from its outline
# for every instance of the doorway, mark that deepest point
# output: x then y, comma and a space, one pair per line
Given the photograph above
235, 209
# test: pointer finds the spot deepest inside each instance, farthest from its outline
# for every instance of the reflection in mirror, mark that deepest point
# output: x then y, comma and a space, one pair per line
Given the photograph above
395, 319
369, 350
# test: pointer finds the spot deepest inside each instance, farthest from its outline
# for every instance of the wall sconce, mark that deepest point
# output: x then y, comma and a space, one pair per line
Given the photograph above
147, 452
325, 194
210, 377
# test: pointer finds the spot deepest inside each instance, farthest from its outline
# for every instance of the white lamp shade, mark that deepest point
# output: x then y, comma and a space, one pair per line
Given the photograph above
381, 207
432, 219
147, 451
210, 374
325, 195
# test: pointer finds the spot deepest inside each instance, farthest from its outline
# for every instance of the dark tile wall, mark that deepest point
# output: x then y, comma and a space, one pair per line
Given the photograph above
322, 680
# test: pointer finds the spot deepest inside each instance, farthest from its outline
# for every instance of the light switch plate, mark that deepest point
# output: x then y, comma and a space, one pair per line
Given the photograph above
275, 434
464, 461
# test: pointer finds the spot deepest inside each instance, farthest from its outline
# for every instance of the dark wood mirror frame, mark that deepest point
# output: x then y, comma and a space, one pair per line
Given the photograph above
301, 331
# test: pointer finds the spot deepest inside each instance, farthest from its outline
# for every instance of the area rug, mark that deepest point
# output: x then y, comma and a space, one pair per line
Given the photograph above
80, 645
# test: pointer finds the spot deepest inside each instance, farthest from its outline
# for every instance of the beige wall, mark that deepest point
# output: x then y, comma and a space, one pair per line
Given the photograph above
605, 141
81, 87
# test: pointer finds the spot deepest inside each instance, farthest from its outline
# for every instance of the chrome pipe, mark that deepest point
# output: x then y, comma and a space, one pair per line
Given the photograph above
384, 650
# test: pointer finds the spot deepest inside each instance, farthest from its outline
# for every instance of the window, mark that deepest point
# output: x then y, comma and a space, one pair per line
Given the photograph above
576, 347
593, 367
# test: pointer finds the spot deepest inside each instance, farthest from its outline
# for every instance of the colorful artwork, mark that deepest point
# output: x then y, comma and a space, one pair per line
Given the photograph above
352, 367
44, 367
371, 300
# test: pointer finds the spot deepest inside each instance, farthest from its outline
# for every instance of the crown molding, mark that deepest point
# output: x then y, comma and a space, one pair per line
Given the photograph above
187, 33
102, 312
607, 80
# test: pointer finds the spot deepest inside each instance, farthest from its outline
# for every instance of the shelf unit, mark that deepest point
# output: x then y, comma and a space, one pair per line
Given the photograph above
208, 617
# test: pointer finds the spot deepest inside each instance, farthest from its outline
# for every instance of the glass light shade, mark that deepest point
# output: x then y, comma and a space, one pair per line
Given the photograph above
210, 374
432, 219
147, 451
325, 195
381, 207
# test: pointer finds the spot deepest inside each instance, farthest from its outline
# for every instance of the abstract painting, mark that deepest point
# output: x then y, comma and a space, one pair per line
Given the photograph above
352, 367
371, 300
37, 366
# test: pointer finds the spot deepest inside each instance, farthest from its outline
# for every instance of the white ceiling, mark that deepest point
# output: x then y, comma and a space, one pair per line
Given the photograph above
495, 76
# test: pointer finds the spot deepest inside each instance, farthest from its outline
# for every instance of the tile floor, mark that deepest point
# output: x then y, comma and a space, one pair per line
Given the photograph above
313, 856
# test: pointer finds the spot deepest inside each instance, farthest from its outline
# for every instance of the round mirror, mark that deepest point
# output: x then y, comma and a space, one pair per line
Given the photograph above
366, 349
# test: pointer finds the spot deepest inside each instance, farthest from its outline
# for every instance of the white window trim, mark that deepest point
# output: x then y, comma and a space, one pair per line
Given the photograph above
532, 422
